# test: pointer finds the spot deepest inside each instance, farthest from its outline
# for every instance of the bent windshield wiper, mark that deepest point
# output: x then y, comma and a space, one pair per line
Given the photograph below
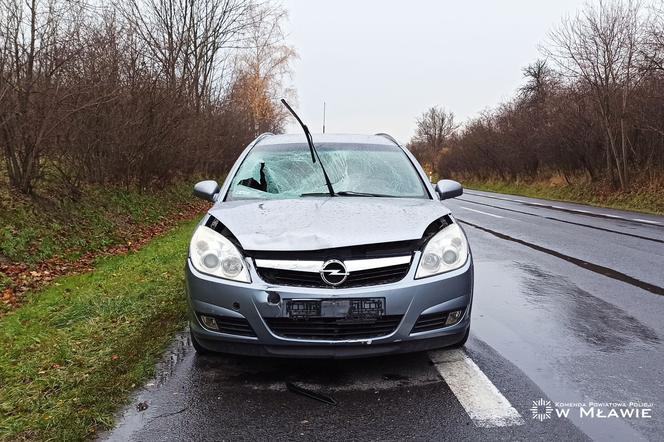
351, 193
312, 148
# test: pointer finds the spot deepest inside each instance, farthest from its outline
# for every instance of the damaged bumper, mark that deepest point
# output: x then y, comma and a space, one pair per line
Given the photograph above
250, 322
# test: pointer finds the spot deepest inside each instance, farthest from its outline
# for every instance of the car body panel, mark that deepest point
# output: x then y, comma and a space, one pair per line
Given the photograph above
313, 223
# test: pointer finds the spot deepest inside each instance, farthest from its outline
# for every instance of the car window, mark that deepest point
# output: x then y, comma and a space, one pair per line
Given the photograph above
286, 171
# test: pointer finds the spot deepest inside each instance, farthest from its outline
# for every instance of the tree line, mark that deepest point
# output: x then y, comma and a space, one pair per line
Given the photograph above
135, 92
591, 107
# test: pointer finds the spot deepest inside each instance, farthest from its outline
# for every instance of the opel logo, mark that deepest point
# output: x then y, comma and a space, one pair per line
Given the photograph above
334, 272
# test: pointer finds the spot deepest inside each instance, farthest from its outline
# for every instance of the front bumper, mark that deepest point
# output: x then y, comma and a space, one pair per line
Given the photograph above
408, 298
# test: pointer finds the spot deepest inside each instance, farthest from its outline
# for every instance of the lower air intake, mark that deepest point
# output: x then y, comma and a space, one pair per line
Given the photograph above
432, 321
333, 329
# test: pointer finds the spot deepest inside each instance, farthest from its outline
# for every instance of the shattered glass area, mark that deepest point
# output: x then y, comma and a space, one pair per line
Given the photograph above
286, 171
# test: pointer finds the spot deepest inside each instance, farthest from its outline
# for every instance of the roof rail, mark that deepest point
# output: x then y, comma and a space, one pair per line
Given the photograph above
388, 136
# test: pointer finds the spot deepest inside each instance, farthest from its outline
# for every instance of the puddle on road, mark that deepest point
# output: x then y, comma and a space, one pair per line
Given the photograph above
141, 410
176, 353
591, 319
556, 313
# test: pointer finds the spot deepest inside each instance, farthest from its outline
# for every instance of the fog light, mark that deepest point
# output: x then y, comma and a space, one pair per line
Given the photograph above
454, 317
209, 322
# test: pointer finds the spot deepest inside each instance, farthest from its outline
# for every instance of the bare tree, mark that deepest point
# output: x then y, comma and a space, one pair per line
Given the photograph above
38, 43
264, 67
187, 39
653, 49
435, 127
541, 80
601, 47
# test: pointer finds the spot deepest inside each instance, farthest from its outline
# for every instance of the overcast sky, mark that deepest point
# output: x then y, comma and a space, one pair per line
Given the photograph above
379, 64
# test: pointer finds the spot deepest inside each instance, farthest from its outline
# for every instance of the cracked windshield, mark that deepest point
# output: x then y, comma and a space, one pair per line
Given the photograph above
286, 171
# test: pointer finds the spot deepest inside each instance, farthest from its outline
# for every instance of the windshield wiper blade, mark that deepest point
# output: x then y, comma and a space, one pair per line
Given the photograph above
317, 194
351, 193
312, 148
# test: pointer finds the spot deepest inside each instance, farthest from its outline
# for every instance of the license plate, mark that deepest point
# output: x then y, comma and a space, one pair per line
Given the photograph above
337, 308
356, 308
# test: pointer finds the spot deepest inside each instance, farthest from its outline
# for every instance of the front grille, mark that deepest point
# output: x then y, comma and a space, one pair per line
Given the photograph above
333, 329
431, 321
232, 326
381, 275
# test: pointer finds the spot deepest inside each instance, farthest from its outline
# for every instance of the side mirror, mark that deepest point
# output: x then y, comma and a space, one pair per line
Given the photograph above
447, 189
207, 190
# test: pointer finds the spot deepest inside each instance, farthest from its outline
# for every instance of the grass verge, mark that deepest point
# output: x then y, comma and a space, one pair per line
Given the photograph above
34, 229
43, 237
74, 352
643, 198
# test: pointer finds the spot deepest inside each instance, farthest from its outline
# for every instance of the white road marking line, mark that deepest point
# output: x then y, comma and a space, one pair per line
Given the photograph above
611, 216
479, 211
485, 405
646, 221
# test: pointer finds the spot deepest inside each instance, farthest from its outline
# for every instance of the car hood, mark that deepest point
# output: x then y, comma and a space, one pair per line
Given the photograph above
326, 222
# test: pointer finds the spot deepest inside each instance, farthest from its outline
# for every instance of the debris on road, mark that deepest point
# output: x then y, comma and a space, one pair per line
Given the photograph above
310, 394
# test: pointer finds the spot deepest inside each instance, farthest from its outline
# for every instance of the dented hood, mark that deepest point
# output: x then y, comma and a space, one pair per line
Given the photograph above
327, 222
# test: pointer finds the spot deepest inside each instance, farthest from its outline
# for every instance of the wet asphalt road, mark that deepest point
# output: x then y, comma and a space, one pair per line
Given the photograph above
568, 307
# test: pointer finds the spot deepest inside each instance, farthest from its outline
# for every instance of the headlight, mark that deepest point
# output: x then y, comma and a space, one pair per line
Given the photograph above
214, 254
447, 250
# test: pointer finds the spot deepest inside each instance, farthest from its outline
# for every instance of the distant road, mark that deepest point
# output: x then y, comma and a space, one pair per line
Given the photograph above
568, 307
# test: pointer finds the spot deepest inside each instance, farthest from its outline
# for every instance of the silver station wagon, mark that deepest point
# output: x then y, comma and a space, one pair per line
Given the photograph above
336, 249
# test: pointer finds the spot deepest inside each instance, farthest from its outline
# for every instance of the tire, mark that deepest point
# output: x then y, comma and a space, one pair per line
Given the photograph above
198, 347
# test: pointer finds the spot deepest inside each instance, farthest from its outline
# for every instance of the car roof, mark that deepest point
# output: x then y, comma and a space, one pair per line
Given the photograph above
326, 138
